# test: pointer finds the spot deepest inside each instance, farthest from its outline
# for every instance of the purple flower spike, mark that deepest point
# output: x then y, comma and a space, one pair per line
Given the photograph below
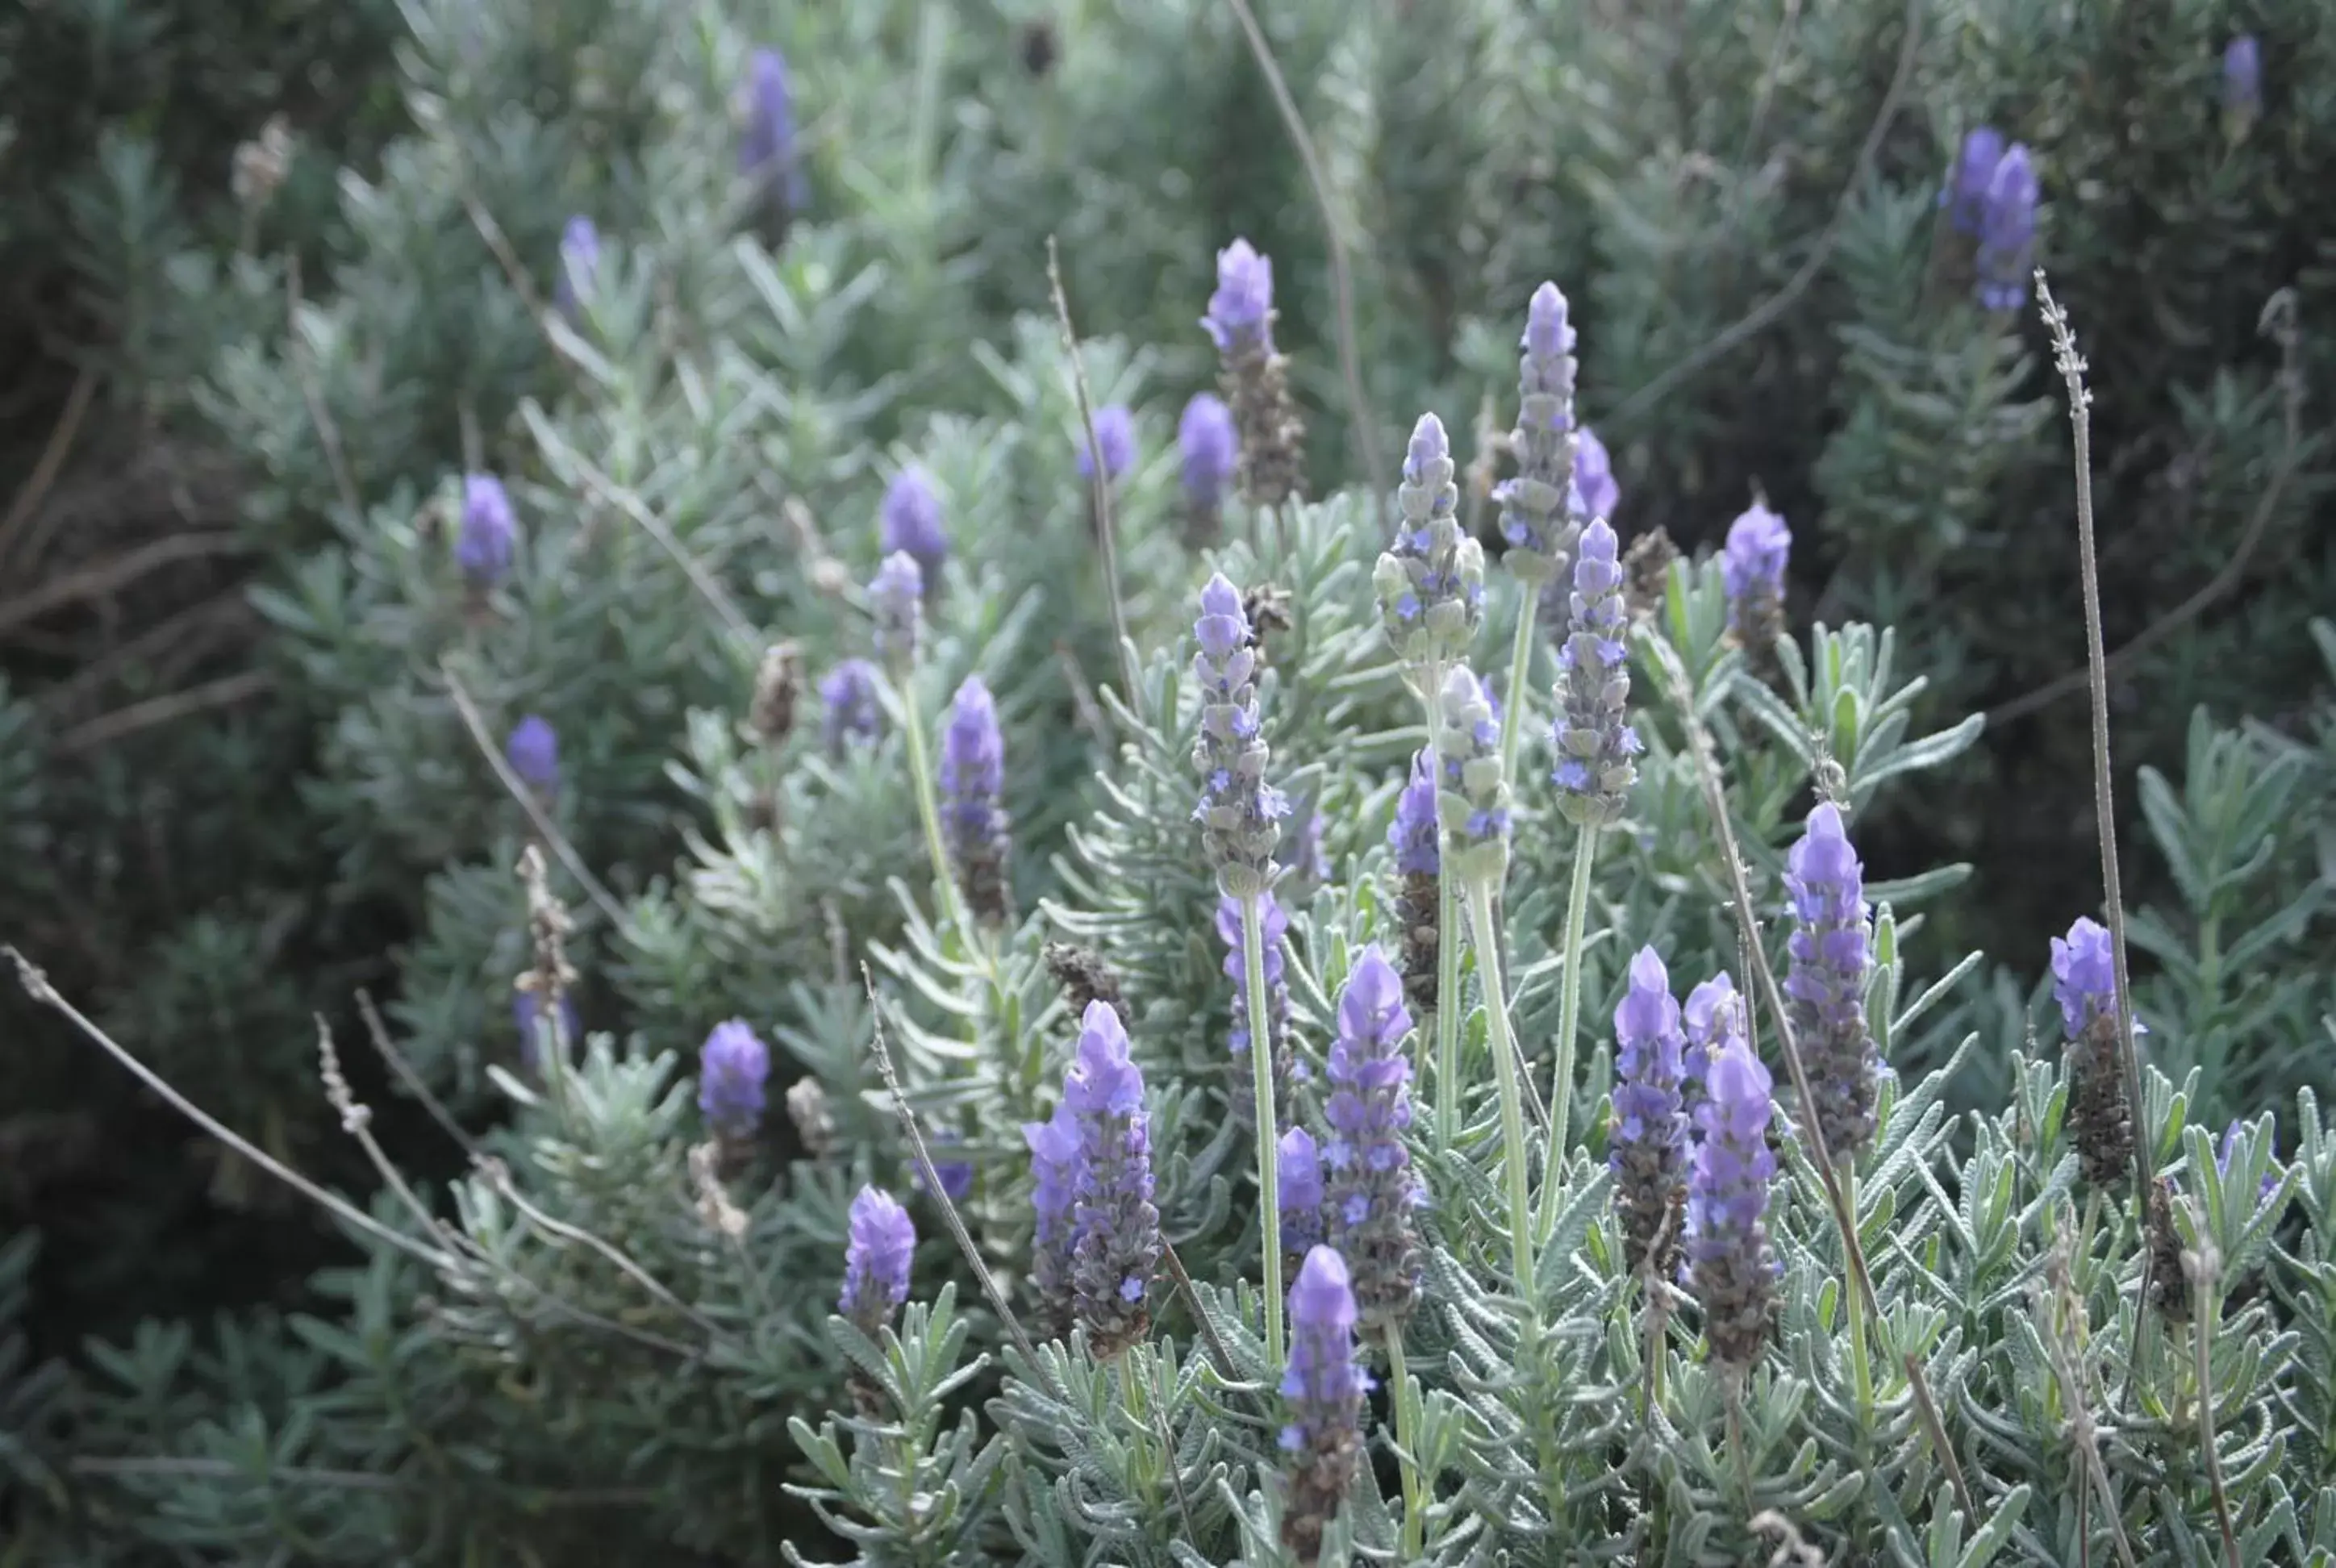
1413, 837
1323, 1389
534, 752
896, 597
1472, 796
1240, 814
850, 713
766, 150
1594, 494
2007, 232
1298, 1177
1241, 312
1117, 1229
579, 264
1729, 1266
1826, 991
1647, 1153
1209, 448
2100, 1111
1372, 1191
1054, 1163
1965, 196
1114, 434
1533, 512
2243, 81
1431, 583
732, 1067
483, 543
880, 1245
1592, 735
912, 522
1753, 567
973, 820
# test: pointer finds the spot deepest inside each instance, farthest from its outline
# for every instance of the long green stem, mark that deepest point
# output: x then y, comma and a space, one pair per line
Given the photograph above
1569, 1017
1406, 1438
1447, 1012
913, 726
1512, 1099
1860, 1363
1260, 1072
1519, 696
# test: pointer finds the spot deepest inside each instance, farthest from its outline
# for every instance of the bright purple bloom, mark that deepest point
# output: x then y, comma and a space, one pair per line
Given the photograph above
1210, 447
850, 712
732, 1066
1241, 312
1054, 1163
2100, 1110
1413, 833
1594, 493
1965, 196
1371, 1190
1533, 512
484, 542
2007, 232
1593, 740
1825, 992
1729, 1266
579, 264
1114, 434
534, 752
1752, 566
2084, 975
1240, 814
1298, 1177
766, 150
912, 522
1117, 1243
972, 784
896, 597
880, 1244
1648, 1150
1322, 1387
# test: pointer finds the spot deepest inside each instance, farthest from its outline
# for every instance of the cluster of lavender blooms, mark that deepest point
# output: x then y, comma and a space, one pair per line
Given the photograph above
532, 749
850, 712
880, 1244
2100, 1111
896, 598
1731, 1269
1594, 741
487, 534
1113, 1233
973, 817
1323, 1388
733, 1066
1752, 569
1208, 448
1431, 585
1648, 1147
911, 522
1832, 955
1298, 1173
1370, 1190
1240, 814
1472, 796
1240, 322
1536, 503
1991, 199
1274, 924
1414, 840
580, 267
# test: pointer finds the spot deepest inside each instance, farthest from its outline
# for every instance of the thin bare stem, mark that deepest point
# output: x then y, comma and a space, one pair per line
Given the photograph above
1217, 1350
117, 572
499, 1176
2205, 1267
1107, 530
320, 414
708, 588
52, 458
1342, 282
109, 727
395, 1058
1268, 1125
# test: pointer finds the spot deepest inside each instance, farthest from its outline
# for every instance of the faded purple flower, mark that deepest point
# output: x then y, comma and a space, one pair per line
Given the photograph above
1298, 1177
1209, 448
2243, 80
1114, 434
1648, 1150
1729, 1267
880, 1245
2084, 975
1832, 956
2007, 232
1241, 312
1594, 738
1594, 493
1370, 1190
1431, 584
767, 149
1322, 1387
896, 597
1412, 836
1752, 566
1240, 814
484, 542
973, 819
1054, 1164
1255, 379
1533, 512
1965, 196
956, 1176
732, 1066
2100, 1108
580, 265
534, 752
912, 522
526, 1011
1473, 797
1118, 1230
850, 714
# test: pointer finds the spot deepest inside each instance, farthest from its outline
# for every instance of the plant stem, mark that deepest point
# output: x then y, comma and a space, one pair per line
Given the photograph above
1518, 697
1569, 1018
1447, 1012
1504, 1063
1260, 1071
1861, 1364
913, 726
1407, 1437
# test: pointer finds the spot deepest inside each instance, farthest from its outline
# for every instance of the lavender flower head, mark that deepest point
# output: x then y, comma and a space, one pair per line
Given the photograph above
896, 597
579, 264
850, 714
1274, 924
880, 1244
1826, 991
1595, 494
2242, 83
732, 1065
1648, 1150
1323, 1389
534, 752
1054, 1164
1240, 814
1729, 1267
2100, 1110
972, 786
2007, 232
1117, 1230
1241, 312
1594, 741
1714, 1016
484, 541
1533, 512
1431, 585
1412, 836
1965, 196
1414, 840
767, 149
1114, 434
1752, 566
1371, 1190
911, 521
1298, 1177
1472, 796
1210, 449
